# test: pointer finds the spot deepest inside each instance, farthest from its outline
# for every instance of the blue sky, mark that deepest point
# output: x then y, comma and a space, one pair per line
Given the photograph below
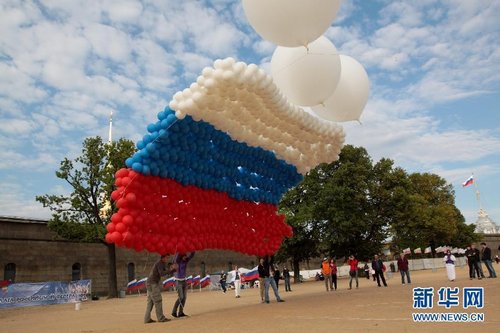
434, 69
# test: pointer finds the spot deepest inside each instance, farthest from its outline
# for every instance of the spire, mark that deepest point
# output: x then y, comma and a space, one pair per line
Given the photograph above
110, 134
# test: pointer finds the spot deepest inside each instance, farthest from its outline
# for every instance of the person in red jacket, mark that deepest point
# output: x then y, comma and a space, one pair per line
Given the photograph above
403, 268
353, 271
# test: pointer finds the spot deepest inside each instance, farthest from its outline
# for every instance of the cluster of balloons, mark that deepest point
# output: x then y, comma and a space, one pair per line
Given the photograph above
306, 66
195, 153
161, 215
243, 101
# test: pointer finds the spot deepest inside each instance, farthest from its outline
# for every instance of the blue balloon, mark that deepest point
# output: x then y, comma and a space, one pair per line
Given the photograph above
146, 170
151, 128
129, 161
140, 144
137, 167
161, 115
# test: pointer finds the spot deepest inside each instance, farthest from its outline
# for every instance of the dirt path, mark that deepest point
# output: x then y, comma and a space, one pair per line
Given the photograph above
309, 308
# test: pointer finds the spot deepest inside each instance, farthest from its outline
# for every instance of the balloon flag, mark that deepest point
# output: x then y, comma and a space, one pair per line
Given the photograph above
210, 171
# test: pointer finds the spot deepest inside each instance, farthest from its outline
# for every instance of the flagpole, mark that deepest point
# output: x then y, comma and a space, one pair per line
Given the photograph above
478, 194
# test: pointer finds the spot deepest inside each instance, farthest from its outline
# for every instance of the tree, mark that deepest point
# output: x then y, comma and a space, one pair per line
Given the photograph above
304, 244
344, 207
83, 215
431, 217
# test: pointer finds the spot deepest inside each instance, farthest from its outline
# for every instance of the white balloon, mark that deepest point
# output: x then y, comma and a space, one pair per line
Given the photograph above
307, 76
290, 22
350, 97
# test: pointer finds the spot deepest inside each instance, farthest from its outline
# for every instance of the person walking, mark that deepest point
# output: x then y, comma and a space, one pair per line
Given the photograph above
262, 277
449, 261
333, 271
223, 278
153, 288
486, 258
403, 267
353, 271
286, 277
237, 282
182, 261
269, 280
378, 267
327, 274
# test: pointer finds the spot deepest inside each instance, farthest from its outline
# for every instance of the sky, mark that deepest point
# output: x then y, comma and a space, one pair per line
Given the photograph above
434, 69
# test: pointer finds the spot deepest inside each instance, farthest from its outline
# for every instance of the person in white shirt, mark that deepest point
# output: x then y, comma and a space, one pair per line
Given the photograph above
449, 261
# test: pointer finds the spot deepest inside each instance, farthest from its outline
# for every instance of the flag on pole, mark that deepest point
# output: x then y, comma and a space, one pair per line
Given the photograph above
205, 281
169, 283
407, 251
469, 181
417, 251
196, 280
428, 250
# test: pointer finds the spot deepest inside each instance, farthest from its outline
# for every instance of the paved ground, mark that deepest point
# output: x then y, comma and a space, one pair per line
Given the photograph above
309, 308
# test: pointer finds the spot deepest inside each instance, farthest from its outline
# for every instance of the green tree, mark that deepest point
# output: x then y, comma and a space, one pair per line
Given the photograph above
344, 207
83, 215
431, 217
304, 244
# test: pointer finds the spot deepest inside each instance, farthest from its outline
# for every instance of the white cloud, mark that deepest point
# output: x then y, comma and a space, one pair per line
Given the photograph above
14, 201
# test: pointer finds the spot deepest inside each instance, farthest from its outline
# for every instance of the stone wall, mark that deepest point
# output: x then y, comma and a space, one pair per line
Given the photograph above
492, 241
39, 255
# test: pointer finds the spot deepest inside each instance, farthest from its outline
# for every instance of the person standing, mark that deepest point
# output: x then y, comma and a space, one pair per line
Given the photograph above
277, 277
182, 261
262, 277
154, 290
237, 282
286, 277
223, 278
327, 274
472, 255
378, 267
333, 271
366, 268
269, 280
449, 261
353, 271
403, 267
486, 257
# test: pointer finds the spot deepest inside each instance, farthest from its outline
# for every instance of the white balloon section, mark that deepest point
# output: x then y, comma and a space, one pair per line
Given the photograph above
306, 66
243, 101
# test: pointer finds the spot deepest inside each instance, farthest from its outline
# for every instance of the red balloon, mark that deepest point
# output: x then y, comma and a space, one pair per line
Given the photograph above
120, 227
110, 227
128, 220
109, 238
123, 172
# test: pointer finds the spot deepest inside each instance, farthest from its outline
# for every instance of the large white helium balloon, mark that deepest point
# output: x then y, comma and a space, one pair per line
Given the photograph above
291, 23
307, 76
350, 97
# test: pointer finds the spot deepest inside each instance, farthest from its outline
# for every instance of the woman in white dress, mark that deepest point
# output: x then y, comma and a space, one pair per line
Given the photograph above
449, 261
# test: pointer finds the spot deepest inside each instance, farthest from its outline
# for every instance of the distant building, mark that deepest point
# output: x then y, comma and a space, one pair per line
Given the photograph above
30, 252
484, 225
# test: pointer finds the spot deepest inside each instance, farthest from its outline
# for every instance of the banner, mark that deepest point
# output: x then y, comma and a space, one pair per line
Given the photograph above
44, 293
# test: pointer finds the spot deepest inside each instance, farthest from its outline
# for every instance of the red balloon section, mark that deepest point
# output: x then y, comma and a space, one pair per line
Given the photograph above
161, 215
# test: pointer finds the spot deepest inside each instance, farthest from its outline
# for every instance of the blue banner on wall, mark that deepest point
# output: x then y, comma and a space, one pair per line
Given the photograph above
43, 293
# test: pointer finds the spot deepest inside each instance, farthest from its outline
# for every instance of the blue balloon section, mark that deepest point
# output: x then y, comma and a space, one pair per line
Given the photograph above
195, 153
